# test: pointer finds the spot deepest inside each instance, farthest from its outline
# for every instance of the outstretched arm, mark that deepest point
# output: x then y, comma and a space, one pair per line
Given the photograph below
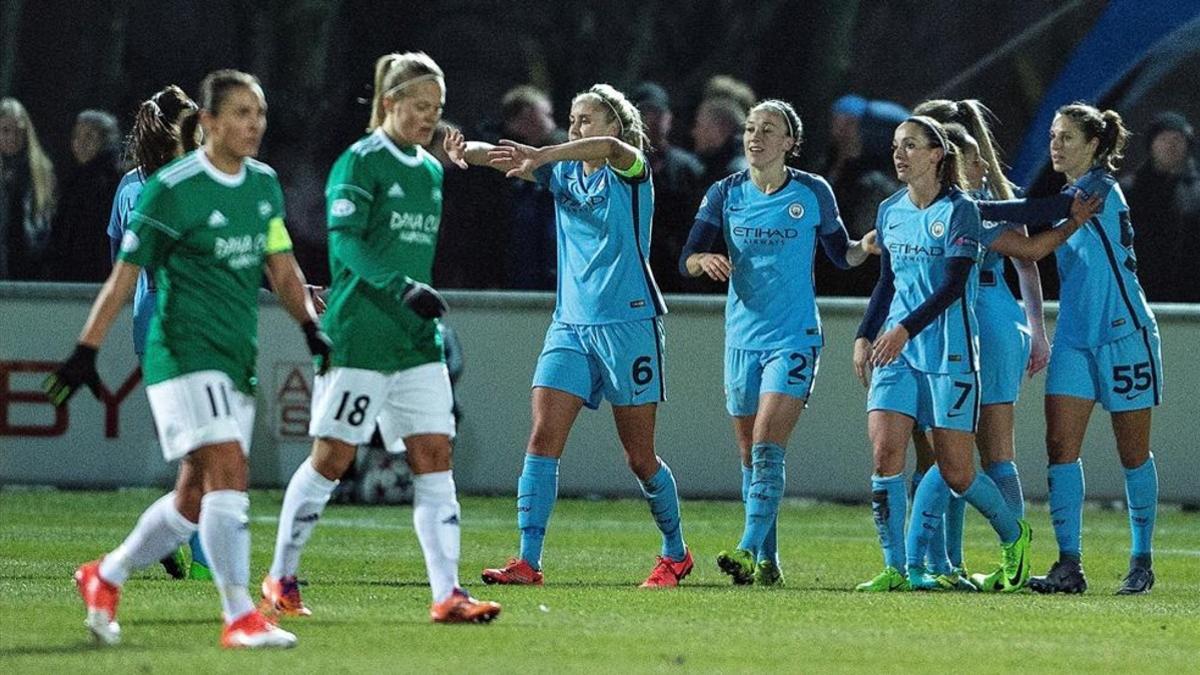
1017, 245
523, 159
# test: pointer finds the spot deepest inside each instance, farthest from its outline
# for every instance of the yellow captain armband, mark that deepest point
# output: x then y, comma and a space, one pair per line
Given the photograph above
278, 240
635, 171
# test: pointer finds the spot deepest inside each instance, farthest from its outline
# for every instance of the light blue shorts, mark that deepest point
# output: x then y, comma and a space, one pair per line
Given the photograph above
1123, 375
934, 400
750, 373
621, 362
1003, 357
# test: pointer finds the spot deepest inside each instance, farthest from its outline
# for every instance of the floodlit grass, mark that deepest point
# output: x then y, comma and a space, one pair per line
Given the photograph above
370, 600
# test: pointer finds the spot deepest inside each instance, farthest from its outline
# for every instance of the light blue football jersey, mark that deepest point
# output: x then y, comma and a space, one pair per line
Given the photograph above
996, 308
1100, 299
144, 297
771, 241
603, 223
921, 243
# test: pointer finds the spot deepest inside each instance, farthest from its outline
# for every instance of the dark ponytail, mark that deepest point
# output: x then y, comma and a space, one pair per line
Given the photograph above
1106, 126
158, 129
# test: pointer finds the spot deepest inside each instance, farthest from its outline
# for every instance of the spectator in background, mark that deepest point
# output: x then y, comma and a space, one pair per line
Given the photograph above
27, 194
859, 168
677, 186
78, 240
717, 131
1164, 201
531, 262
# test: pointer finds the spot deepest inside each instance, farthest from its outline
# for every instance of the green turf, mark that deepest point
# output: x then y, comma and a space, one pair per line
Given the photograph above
368, 592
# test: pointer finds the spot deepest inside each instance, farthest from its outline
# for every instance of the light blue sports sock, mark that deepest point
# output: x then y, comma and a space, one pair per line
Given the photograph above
889, 504
197, 550
766, 491
1066, 507
663, 496
537, 490
915, 482
985, 497
1141, 495
1004, 475
928, 507
956, 513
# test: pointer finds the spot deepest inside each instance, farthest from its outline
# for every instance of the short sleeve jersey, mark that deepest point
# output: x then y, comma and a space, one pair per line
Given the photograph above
128, 191
206, 234
390, 199
771, 241
603, 223
921, 243
1100, 298
995, 307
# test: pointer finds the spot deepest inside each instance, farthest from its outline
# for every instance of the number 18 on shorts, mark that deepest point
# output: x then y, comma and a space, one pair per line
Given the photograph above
349, 402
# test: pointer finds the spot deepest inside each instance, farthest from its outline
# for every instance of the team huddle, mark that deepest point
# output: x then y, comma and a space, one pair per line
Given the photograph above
942, 348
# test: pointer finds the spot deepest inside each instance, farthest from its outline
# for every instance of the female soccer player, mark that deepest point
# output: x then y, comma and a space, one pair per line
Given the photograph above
606, 339
929, 233
1004, 356
384, 206
208, 224
156, 139
772, 217
1106, 349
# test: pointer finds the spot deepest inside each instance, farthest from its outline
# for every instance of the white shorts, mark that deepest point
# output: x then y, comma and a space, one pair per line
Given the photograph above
348, 402
199, 409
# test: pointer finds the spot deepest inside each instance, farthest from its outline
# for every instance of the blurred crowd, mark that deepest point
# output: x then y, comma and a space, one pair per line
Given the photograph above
499, 233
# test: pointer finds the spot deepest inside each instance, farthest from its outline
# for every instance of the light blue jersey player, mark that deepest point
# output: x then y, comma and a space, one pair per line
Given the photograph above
606, 339
1106, 350
154, 140
1012, 342
926, 360
770, 218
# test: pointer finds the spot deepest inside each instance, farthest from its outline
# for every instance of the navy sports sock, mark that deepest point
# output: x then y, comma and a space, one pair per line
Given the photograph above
537, 490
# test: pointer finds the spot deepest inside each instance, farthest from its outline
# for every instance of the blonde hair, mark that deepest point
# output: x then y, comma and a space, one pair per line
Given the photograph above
41, 169
727, 86
622, 111
976, 118
394, 72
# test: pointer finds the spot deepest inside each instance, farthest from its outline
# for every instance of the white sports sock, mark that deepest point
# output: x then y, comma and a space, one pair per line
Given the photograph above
160, 530
435, 518
225, 536
305, 499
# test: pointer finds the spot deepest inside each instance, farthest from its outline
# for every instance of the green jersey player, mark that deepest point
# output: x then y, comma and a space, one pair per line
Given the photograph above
209, 223
384, 206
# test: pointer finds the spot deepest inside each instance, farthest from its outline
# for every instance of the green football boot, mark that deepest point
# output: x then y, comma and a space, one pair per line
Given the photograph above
176, 564
1013, 573
200, 571
738, 564
767, 573
890, 579
956, 580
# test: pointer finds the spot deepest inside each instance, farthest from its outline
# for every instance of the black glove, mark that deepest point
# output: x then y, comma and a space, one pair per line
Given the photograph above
423, 300
79, 368
319, 345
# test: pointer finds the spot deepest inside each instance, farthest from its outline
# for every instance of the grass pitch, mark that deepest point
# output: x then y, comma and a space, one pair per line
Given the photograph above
367, 589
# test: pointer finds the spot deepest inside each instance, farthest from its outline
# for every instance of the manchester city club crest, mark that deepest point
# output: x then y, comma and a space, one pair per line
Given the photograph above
937, 228
796, 210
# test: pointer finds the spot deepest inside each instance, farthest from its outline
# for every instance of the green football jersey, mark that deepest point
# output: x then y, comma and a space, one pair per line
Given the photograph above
206, 234
384, 209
